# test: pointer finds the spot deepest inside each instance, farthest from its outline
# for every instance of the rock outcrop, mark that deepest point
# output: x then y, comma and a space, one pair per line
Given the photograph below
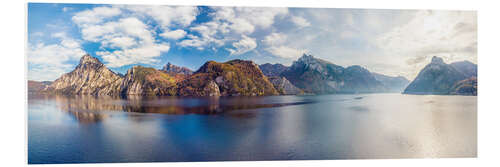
173, 69
148, 81
272, 70
90, 77
465, 87
283, 86
440, 78
232, 78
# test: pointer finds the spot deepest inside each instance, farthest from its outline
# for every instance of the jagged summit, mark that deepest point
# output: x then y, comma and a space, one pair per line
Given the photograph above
88, 59
170, 68
305, 57
437, 60
89, 77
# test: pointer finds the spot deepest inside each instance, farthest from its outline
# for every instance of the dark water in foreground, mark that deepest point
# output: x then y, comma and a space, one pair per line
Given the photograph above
89, 130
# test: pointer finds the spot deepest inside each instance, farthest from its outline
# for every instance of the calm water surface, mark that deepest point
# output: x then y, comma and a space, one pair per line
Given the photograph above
86, 129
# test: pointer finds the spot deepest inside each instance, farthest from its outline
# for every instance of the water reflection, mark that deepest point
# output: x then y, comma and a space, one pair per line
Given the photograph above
91, 109
78, 129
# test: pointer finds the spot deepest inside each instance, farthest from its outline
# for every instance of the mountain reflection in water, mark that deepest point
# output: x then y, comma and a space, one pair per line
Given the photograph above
89, 109
87, 129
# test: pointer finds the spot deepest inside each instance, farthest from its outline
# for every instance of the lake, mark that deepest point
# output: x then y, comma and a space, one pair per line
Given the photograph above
86, 129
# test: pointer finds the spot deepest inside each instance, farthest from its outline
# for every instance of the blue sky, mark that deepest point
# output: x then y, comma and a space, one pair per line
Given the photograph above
392, 42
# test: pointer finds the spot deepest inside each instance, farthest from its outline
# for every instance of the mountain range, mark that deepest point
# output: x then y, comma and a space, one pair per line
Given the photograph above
318, 76
307, 75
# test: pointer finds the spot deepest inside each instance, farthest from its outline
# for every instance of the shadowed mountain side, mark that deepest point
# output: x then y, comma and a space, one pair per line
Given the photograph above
440, 78
272, 70
393, 84
318, 76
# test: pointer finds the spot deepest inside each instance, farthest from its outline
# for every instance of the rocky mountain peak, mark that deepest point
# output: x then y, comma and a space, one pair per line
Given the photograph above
306, 58
90, 77
437, 60
87, 59
170, 68
311, 63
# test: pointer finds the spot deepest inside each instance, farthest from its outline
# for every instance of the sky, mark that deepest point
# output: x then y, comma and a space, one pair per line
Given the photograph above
391, 42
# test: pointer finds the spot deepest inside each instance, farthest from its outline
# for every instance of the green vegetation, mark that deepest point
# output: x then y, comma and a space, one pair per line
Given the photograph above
235, 77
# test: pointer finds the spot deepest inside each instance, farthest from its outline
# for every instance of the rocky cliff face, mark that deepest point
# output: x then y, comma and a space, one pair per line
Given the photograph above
272, 70
232, 78
90, 77
322, 77
441, 78
173, 69
465, 87
283, 86
148, 81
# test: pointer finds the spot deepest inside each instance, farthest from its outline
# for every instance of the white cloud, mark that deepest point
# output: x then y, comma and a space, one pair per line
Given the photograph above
129, 27
230, 23
286, 52
207, 36
133, 39
95, 16
124, 38
124, 41
146, 54
176, 34
244, 45
50, 61
166, 15
275, 39
348, 34
120, 42
300, 21
241, 26
65, 9
449, 34
246, 19
276, 45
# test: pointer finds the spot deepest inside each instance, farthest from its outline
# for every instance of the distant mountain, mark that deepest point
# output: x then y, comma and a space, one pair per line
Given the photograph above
37, 86
272, 70
322, 77
90, 77
440, 78
393, 84
232, 78
173, 69
148, 81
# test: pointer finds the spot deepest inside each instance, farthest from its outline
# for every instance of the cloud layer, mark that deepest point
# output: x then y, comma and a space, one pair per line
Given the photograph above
394, 42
